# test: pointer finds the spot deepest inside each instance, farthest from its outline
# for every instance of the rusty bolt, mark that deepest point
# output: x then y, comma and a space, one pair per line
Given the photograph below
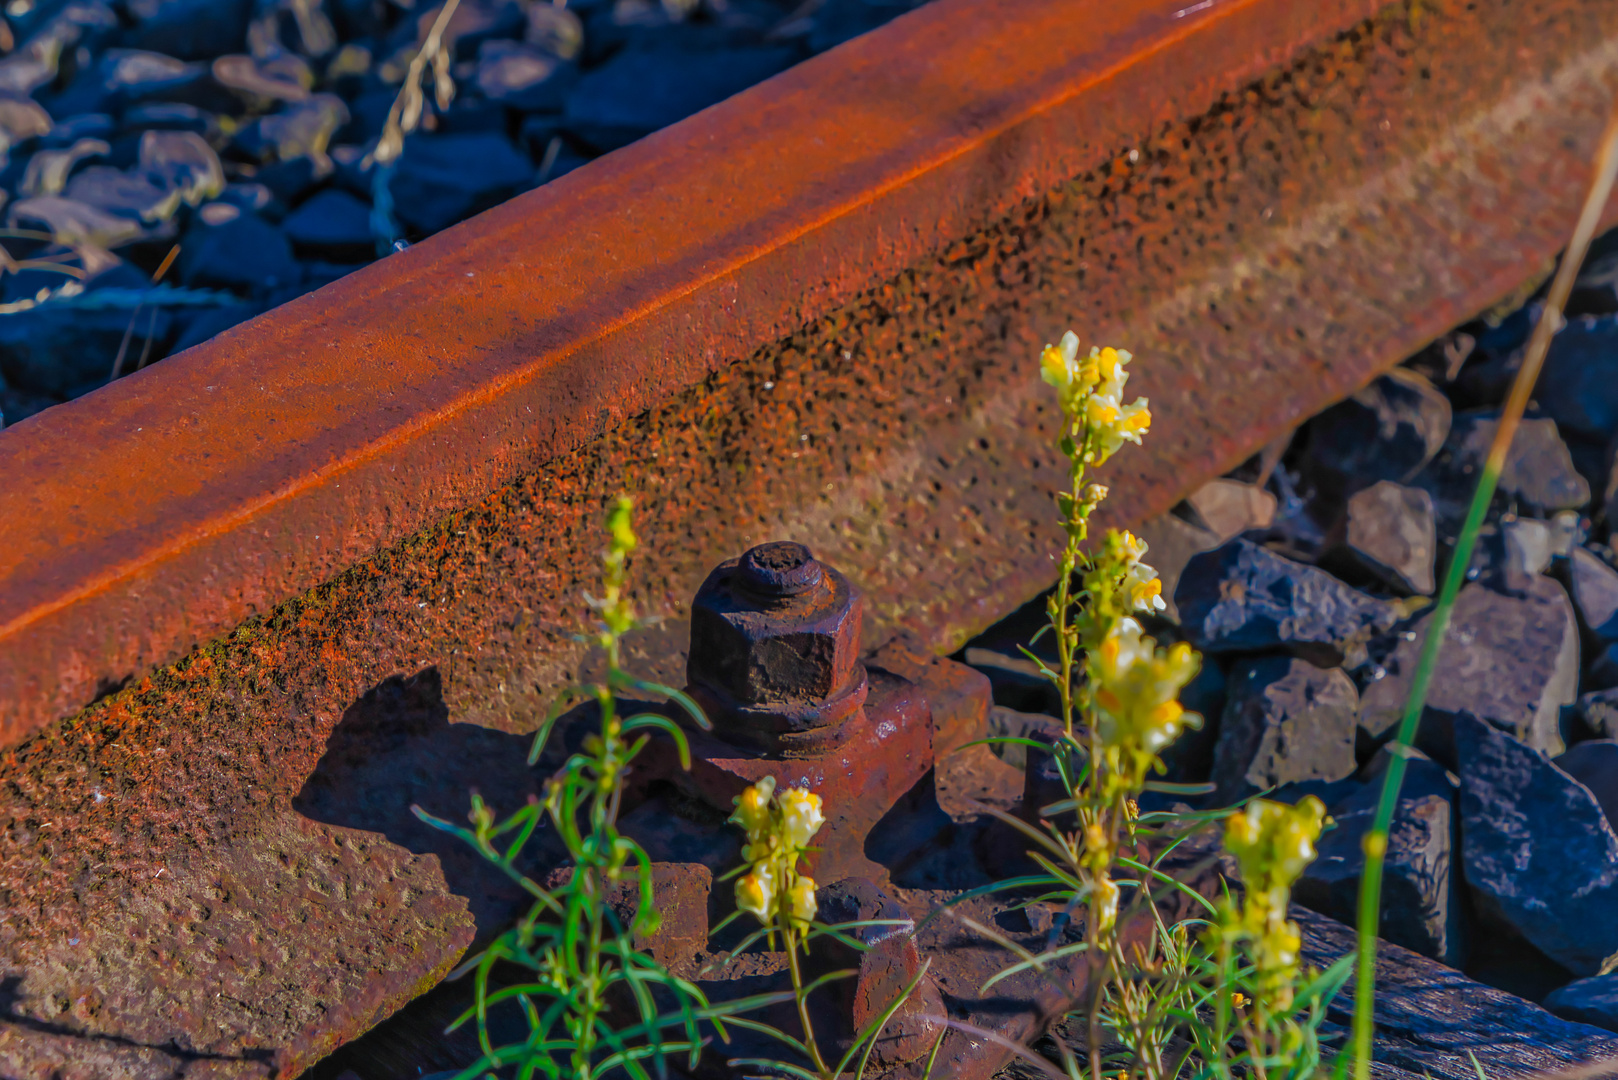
775, 646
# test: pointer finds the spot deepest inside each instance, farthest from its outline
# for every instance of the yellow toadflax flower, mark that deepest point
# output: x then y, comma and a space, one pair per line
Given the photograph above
779, 826
800, 816
1060, 366
1273, 843
1136, 687
755, 894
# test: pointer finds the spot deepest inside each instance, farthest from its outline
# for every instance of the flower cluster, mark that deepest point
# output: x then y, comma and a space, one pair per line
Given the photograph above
779, 826
1090, 391
1135, 687
1273, 843
1117, 586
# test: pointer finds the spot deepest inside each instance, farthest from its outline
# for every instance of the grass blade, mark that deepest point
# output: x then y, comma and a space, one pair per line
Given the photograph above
1376, 839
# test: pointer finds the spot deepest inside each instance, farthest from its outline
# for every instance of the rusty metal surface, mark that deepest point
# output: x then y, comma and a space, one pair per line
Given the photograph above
166, 509
790, 316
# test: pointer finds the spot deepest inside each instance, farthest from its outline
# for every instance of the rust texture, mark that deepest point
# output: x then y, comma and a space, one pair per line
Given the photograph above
827, 340
168, 508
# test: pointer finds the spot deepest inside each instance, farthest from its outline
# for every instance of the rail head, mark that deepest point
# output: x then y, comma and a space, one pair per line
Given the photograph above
169, 506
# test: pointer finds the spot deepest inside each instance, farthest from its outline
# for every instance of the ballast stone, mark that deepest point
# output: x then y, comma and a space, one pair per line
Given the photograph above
1244, 598
1539, 471
1418, 909
1536, 849
1594, 586
1386, 431
1511, 660
1588, 1001
1392, 531
1286, 721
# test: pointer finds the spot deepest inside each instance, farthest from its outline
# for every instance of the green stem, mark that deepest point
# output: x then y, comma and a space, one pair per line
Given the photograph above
790, 938
1376, 839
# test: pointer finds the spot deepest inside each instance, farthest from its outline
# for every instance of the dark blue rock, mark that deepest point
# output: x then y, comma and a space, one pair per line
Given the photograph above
25, 284
1594, 587
642, 89
1598, 711
839, 20
136, 194
523, 76
1537, 850
1512, 660
64, 351
131, 75
1241, 597
1285, 721
331, 221
1539, 471
206, 323
1588, 1001
1594, 764
245, 254
1420, 904
303, 129
1386, 431
70, 130
189, 29
288, 181
171, 116
1579, 386
440, 179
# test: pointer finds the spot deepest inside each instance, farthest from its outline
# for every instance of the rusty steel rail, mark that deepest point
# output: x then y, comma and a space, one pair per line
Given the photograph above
257, 599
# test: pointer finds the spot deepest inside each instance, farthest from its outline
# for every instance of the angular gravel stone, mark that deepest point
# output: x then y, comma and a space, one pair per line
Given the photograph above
74, 222
1245, 598
644, 88
182, 161
1594, 586
1513, 661
1578, 387
1392, 532
135, 194
1595, 765
1417, 889
1539, 470
522, 76
1537, 850
243, 253
190, 29
1599, 712
1229, 508
331, 221
1285, 721
1588, 1001
444, 178
1387, 431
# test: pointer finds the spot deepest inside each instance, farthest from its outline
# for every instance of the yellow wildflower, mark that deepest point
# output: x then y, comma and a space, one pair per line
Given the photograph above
1143, 590
779, 826
800, 816
801, 903
1273, 844
1111, 423
1136, 686
1104, 902
755, 894
1059, 365
753, 808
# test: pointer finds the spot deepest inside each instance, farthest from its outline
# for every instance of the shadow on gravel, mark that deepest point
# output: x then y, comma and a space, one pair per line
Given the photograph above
396, 746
